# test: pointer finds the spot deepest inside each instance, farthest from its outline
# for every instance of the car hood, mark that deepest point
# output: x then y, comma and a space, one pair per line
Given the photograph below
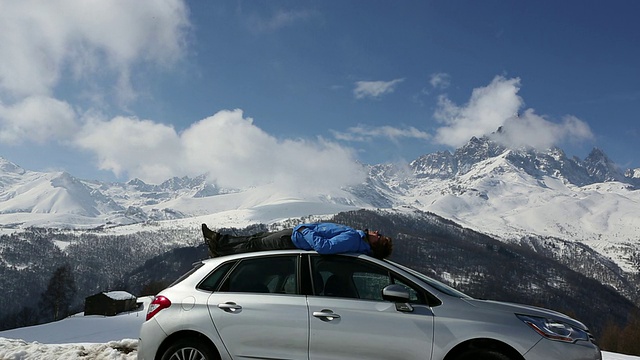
525, 310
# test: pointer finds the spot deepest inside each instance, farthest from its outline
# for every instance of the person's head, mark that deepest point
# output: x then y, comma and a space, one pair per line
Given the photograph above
381, 246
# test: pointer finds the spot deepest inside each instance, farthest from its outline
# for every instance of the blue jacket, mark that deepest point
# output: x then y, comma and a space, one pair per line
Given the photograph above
330, 238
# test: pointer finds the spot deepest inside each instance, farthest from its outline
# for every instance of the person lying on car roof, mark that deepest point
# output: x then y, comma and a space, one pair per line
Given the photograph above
325, 238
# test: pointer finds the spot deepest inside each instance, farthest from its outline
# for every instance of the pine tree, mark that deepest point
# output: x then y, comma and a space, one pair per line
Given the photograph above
630, 335
609, 337
56, 301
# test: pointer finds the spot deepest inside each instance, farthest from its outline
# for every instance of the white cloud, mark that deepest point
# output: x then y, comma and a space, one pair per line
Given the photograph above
133, 147
44, 42
368, 133
487, 109
238, 154
530, 129
496, 105
280, 19
41, 40
375, 89
36, 119
230, 148
440, 80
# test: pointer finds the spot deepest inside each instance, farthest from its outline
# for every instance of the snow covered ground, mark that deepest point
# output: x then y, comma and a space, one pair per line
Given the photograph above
95, 337
77, 337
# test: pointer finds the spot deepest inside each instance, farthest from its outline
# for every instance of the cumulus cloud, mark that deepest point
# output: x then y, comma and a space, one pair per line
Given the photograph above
230, 148
375, 89
486, 110
128, 146
498, 105
36, 119
363, 133
42, 40
530, 129
48, 45
95, 47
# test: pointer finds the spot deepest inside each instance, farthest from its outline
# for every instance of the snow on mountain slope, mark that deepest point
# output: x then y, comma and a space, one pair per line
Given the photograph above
497, 198
255, 198
241, 209
57, 199
494, 193
507, 193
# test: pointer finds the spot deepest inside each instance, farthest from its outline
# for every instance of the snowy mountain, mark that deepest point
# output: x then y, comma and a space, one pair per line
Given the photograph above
59, 200
510, 194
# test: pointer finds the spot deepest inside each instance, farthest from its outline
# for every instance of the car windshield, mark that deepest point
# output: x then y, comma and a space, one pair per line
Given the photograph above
444, 288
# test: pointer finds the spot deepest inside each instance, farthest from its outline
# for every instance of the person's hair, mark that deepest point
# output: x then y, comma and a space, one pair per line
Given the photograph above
382, 248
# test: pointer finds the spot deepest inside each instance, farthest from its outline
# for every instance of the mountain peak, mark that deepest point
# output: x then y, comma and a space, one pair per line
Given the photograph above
7, 166
601, 168
553, 162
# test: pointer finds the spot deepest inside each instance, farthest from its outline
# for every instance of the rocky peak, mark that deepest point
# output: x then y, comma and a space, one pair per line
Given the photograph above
633, 173
440, 165
601, 168
475, 151
597, 167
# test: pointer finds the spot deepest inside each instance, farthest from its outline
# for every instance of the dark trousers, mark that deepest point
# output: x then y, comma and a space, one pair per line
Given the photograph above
263, 241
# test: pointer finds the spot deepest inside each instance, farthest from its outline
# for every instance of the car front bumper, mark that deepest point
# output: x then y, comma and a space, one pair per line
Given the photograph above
547, 349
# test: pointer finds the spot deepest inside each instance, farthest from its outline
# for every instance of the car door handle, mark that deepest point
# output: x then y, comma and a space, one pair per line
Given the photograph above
326, 314
230, 307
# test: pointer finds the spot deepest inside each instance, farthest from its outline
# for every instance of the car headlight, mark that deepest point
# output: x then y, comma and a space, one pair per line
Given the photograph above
554, 329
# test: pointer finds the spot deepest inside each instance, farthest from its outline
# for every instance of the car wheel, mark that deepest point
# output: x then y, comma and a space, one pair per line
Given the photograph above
479, 354
188, 349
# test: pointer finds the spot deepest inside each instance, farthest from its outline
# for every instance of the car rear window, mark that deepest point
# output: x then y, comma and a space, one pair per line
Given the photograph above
212, 281
271, 274
195, 267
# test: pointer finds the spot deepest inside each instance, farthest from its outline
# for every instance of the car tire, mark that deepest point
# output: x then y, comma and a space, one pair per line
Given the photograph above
189, 349
479, 354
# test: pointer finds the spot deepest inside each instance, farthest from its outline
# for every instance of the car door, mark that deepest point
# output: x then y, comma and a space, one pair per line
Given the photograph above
258, 311
348, 318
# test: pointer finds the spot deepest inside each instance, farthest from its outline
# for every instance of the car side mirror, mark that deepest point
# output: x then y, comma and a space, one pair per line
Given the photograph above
399, 295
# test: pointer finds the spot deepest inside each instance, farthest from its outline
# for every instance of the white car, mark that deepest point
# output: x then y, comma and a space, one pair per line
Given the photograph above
295, 304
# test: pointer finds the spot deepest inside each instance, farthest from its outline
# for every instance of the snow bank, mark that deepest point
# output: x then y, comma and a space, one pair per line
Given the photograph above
114, 350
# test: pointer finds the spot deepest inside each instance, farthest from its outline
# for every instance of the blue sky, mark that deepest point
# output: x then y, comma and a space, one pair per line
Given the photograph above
298, 89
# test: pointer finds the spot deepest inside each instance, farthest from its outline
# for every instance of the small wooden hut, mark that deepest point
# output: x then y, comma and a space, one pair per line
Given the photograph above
109, 303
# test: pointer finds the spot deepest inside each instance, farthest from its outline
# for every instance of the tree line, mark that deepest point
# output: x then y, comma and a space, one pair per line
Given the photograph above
56, 302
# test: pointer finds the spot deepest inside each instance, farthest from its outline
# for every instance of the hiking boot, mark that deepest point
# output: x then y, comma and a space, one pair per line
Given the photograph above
211, 238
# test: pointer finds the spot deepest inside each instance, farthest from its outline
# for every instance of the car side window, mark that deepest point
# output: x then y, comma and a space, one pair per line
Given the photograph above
348, 277
270, 274
370, 284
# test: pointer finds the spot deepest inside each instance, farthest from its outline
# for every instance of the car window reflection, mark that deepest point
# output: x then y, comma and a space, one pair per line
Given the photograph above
348, 277
275, 274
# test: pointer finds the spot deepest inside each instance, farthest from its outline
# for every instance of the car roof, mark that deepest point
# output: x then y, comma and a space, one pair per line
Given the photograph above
272, 252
